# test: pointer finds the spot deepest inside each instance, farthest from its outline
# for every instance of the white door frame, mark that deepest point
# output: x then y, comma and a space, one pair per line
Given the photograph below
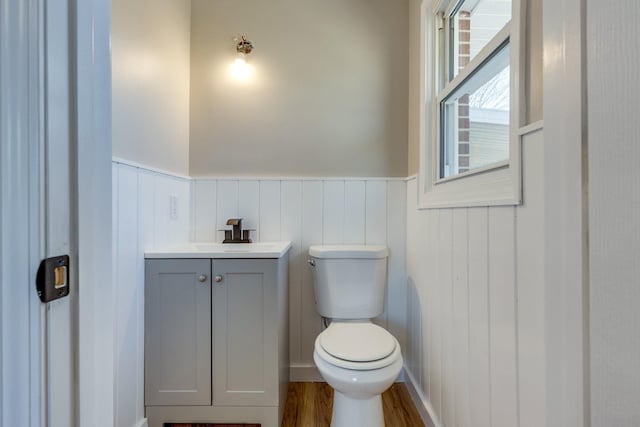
21, 157
59, 210
96, 321
56, 368
566, 277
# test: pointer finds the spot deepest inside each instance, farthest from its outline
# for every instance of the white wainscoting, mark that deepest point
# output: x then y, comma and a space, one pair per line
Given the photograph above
141, 220
475, 307
307, 212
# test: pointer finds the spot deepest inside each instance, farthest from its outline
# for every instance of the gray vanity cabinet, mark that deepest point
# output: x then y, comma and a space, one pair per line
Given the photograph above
244, 322
178, 332
216, 340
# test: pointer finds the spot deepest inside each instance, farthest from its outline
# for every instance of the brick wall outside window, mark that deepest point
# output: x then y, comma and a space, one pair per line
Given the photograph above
464, 45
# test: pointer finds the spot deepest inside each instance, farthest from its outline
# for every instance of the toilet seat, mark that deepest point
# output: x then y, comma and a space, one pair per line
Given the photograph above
357, 342
357, 346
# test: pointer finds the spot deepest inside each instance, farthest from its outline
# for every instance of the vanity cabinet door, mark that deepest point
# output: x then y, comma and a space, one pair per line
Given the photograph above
177, 332
245, 339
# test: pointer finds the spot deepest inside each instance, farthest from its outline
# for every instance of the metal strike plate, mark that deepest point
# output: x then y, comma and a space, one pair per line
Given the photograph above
52, 280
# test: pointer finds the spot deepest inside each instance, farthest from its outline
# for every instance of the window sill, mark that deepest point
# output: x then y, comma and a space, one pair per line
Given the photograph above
495, 187
498, 185
474, 171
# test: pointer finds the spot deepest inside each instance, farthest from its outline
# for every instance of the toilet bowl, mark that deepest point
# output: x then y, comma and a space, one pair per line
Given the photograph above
359, 360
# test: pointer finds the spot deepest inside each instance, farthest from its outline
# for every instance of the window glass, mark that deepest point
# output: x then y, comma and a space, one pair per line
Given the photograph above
472, 25
475, 118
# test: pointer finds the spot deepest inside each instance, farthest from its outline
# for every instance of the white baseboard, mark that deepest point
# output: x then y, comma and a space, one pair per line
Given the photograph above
428, 415
142, 423
304, 374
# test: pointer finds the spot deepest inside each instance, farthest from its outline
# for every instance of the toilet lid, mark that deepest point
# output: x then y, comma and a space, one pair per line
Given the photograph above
357, 342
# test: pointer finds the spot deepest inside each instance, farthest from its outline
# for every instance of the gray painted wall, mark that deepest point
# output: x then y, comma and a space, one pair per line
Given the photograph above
413, 149
150, 42
328, 96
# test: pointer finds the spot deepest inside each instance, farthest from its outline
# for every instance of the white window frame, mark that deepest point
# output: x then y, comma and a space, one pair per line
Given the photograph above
496, 184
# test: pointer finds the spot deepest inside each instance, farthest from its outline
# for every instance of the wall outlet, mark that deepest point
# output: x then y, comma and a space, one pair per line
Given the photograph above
173, 207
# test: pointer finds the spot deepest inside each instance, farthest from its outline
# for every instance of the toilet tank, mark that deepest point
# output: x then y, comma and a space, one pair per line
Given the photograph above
349, 281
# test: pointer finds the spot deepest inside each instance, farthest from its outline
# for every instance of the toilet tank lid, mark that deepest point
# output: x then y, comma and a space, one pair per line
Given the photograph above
349, 251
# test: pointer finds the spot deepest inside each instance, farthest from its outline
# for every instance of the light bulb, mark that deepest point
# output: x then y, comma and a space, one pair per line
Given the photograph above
240, 69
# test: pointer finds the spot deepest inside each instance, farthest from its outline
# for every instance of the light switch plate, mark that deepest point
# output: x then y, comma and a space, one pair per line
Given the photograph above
173, 207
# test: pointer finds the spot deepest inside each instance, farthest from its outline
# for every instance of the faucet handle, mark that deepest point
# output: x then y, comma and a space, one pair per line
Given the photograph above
234, 221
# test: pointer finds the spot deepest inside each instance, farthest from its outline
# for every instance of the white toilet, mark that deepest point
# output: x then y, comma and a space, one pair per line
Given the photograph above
357, 358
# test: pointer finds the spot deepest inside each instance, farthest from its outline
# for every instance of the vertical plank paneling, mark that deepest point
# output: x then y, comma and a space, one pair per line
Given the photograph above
115, 263
204, 215
141, 220
376, 229
333, 212
291, 229
354, 213
312, 233
183, 222
146, 240
270, 214
480, 327
530, 264
115, 198
171, 231
460, 331
127, 219
502, 318
376, 213
434, 318
479, 363
146, 211
161, 210
445, 281
227, 205
303, 211
396, 241
126, 292
249, 207
414, 361
437, 315
423, 233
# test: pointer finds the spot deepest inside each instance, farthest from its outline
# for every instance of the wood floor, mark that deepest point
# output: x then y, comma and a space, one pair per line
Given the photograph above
211, 425
310, 404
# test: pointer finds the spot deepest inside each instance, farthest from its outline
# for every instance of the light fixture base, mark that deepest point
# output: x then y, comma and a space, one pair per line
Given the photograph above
243, 45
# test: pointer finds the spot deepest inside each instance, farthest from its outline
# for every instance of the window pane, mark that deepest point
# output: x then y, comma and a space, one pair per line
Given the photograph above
472, 25
475, 118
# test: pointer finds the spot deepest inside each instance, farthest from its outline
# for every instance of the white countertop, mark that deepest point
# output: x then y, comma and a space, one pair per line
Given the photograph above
220, 250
